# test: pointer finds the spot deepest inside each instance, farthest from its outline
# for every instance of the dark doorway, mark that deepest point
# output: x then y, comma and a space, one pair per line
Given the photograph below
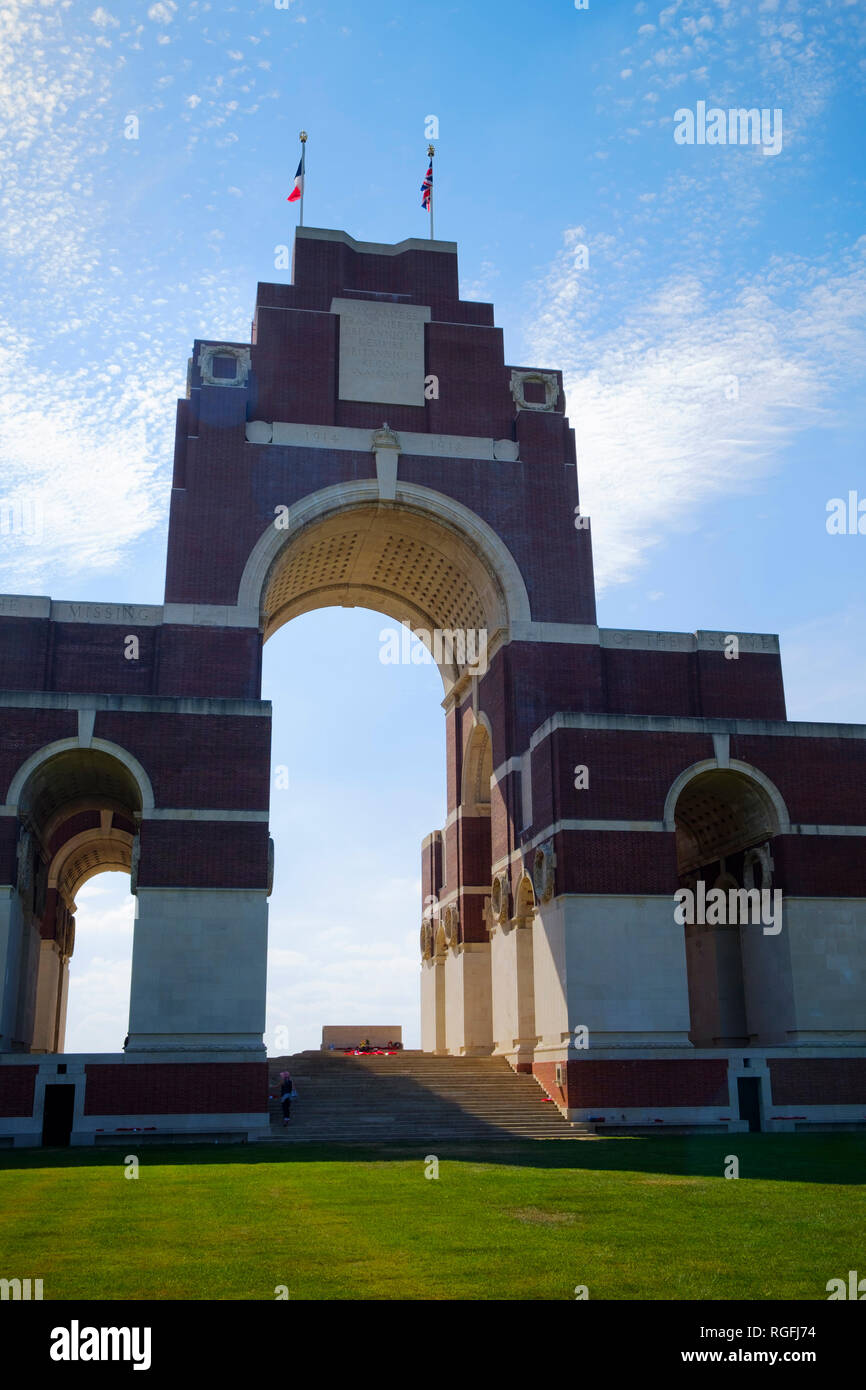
749, 1097
57, 1116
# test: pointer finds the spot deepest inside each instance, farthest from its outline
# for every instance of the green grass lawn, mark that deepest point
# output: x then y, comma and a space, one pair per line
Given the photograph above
629, 1218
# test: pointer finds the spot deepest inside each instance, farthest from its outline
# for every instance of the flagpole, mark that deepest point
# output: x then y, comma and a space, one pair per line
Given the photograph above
431, 152
303, 138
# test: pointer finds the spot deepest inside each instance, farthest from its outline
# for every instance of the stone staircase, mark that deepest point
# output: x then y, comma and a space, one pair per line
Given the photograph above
412, 1097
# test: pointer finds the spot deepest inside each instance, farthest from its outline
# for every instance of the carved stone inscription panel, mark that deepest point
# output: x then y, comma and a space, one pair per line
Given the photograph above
381, 351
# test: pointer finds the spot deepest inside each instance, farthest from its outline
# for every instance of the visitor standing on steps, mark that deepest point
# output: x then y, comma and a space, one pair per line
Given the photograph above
287, 1094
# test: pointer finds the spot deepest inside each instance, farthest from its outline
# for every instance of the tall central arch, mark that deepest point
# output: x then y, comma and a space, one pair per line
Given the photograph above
439, 569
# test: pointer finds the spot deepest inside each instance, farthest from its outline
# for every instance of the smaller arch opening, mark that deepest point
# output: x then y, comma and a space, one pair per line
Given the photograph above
477, 772
79, 812
77, 778
720, 814
725, 821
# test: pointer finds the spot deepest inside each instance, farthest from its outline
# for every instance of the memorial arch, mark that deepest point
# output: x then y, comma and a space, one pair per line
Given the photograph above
310, 469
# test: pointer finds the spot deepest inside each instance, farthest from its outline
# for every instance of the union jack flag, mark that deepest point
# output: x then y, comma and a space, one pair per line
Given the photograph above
427, 188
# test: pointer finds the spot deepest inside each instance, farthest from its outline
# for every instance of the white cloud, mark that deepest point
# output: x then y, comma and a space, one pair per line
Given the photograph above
86, 418
98, 1004
163, 12
102, 19
88, 463
686, 398
101, 965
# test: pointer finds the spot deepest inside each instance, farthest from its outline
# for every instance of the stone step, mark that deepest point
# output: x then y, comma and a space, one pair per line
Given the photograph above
413, 1098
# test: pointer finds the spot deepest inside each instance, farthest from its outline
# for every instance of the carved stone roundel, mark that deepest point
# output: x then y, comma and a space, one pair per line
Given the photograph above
542, 873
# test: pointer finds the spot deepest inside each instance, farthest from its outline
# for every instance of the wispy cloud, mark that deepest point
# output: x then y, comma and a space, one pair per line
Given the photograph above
92, 348
690, 393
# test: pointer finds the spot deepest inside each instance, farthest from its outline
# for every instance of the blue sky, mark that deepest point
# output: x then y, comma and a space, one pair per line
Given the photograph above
707, 266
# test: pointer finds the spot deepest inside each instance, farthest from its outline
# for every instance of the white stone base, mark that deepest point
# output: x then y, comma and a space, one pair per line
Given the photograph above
199, 969
97, 1128
827, 946
625, 968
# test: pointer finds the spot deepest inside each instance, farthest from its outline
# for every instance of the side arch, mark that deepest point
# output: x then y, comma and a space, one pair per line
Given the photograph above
725, 819
771, 791
77, 806
67, 745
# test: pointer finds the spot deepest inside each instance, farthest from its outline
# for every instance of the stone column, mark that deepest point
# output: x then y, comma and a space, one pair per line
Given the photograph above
50, 999
440, 1034
19, 962
716, 999
469, 1021
10, 949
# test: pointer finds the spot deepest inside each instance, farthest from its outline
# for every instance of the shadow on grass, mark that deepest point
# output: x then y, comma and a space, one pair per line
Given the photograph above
817, 1158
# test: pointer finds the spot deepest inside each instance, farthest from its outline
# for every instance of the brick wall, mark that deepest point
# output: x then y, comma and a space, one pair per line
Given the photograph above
166, 1088
210, 762
17, 1089
23, 731
203, 854
820, 865
818, 1081
616, 861
821, 779
630, 773
639, 1084
25, 645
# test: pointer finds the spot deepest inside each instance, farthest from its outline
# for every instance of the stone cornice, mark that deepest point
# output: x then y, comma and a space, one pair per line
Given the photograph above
684, 724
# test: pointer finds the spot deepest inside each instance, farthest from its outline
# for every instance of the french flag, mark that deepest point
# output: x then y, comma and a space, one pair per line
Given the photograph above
298, 189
